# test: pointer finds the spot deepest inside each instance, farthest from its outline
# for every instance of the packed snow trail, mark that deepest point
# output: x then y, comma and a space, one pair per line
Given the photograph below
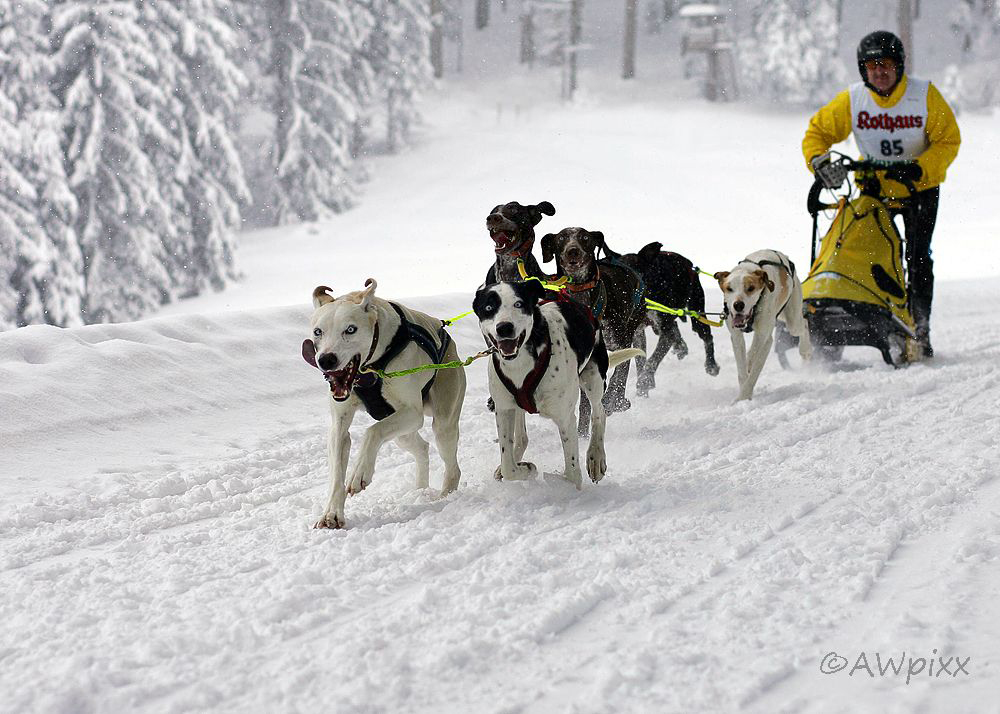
728, 550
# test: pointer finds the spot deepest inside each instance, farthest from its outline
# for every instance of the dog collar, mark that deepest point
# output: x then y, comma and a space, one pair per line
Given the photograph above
522, 250
589, 285
371, 350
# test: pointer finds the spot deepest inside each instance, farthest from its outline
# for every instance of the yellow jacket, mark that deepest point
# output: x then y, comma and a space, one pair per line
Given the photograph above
833, 123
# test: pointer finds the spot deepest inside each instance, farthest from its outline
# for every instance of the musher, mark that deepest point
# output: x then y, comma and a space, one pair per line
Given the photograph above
903, 120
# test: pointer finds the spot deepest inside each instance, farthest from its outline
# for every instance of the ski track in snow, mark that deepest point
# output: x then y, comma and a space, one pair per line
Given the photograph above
728, 549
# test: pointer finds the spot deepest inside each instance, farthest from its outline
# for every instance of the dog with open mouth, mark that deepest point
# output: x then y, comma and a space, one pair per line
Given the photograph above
545, 353
762, 289
359, 332
614, 292
512, 228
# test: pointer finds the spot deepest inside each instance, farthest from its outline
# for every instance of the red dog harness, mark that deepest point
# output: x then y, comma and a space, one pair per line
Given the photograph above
525, 394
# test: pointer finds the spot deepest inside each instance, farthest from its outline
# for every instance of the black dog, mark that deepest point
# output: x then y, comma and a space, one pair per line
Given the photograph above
671, 280
612, 291
512, 228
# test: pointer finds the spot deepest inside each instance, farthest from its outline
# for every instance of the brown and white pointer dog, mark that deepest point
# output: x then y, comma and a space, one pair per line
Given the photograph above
611, 290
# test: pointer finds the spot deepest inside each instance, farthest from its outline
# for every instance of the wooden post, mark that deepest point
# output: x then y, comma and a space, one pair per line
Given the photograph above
482, 14
575, 35
437, 39
631, 22
905, 18
528, 36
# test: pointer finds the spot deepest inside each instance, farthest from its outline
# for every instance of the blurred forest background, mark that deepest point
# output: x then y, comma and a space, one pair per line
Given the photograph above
139, 137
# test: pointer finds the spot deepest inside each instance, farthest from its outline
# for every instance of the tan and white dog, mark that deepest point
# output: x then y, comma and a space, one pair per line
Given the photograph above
762, 289
357, 331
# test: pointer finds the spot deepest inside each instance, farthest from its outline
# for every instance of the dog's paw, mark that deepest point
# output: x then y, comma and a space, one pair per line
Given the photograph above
597, 463
361, 478
644, 384
680, 349
616, 405
524, 471
712, 369
330, 520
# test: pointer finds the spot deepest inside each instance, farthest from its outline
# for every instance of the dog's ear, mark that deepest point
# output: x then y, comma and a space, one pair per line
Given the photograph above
309, 352
366, 296
534, 289
768, 283
321, 296
650, 251
597, 239
535, 212
721, 276
548, 247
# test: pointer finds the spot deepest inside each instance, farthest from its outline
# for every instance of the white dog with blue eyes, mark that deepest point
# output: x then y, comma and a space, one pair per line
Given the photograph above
358, 332
544, 355
762, 289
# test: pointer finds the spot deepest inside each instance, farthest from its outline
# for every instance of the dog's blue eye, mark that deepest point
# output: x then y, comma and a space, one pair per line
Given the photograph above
518, 304
318, 332
351, 329
488, 308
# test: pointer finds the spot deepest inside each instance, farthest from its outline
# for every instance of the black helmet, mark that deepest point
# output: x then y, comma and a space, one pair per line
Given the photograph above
881, 45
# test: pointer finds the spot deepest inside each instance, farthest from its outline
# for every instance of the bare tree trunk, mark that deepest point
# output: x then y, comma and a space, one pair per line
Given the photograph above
575, 34
437, 39
905, 19
482, 14
631, 22
391, 123
528, 37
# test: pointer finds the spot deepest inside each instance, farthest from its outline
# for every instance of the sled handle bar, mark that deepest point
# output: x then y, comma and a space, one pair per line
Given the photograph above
814, 205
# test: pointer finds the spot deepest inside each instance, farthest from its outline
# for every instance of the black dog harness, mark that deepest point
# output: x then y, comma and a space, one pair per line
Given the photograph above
368, 386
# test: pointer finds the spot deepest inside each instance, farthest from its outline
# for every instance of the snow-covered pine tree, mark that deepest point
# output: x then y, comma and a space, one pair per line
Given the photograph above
974, 82
40, 264
313, 45
446, 18
200, 172
397, 51
791, 52
102, 62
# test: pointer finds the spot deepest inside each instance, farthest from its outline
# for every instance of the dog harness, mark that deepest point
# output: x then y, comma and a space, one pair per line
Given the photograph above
368, 386
600, 299
525, 394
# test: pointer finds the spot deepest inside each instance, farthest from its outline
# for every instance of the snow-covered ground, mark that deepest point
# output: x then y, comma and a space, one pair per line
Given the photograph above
160, 478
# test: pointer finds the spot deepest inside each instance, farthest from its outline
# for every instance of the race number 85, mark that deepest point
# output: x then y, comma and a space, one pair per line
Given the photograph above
892, 148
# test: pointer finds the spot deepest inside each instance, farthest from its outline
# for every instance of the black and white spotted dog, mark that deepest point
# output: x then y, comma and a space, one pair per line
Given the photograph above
545, 353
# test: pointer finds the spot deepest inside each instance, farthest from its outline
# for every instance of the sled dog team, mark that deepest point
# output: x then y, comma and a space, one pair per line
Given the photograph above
551, 343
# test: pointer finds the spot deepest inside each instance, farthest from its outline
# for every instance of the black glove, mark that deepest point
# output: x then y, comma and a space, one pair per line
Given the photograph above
907, 172
831, 173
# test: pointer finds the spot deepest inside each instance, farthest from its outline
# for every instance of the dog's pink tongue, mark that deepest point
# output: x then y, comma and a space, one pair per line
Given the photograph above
739, 320
507, 346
